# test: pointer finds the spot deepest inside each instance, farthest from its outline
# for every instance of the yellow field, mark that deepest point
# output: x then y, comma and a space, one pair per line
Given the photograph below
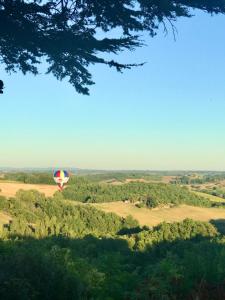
155, 216
210, 197
9, 189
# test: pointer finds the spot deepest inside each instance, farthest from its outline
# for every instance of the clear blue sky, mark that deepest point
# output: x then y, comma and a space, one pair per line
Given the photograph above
168, 114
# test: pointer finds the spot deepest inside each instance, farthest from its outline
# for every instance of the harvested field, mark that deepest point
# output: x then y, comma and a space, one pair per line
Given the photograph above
155, 216
9, 189
168, 179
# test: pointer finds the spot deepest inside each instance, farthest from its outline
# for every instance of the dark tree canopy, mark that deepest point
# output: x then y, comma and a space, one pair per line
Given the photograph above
1, 87
66, 32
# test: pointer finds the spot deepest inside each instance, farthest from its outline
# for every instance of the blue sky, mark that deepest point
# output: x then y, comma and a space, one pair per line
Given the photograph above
168, 114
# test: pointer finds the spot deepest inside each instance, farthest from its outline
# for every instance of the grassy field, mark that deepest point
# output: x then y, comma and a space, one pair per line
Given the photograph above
155, 216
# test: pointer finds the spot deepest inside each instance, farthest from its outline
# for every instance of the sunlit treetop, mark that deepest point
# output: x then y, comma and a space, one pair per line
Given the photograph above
71, 35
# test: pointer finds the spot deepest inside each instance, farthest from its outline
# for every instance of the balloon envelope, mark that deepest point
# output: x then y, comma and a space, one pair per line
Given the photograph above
61, 177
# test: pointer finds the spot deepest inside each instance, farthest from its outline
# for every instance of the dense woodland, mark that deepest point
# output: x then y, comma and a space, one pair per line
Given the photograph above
144, 194
38, 215
56, 249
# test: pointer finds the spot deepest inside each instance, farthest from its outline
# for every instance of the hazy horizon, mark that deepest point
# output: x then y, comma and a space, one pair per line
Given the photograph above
2, 168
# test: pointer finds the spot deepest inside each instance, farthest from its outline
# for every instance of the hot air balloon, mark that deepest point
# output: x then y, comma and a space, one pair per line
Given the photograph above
61, 177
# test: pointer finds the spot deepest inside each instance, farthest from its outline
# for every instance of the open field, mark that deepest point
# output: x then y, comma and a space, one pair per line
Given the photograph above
168, 179
210, 197
155, 216
9, 189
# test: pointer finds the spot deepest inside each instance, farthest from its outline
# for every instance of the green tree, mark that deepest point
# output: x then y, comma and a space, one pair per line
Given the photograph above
72, 34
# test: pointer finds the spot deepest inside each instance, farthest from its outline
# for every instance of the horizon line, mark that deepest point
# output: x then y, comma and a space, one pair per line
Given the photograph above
112, 170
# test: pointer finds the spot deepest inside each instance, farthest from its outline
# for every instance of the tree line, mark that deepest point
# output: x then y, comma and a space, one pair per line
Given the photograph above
145, 194
47, 177
201, 179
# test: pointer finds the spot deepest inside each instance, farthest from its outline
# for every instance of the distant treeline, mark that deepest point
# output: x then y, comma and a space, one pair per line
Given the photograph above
146, 194
53, 249
34, 178
188, 179
47, 177
122, 176
39, 178
215, 191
